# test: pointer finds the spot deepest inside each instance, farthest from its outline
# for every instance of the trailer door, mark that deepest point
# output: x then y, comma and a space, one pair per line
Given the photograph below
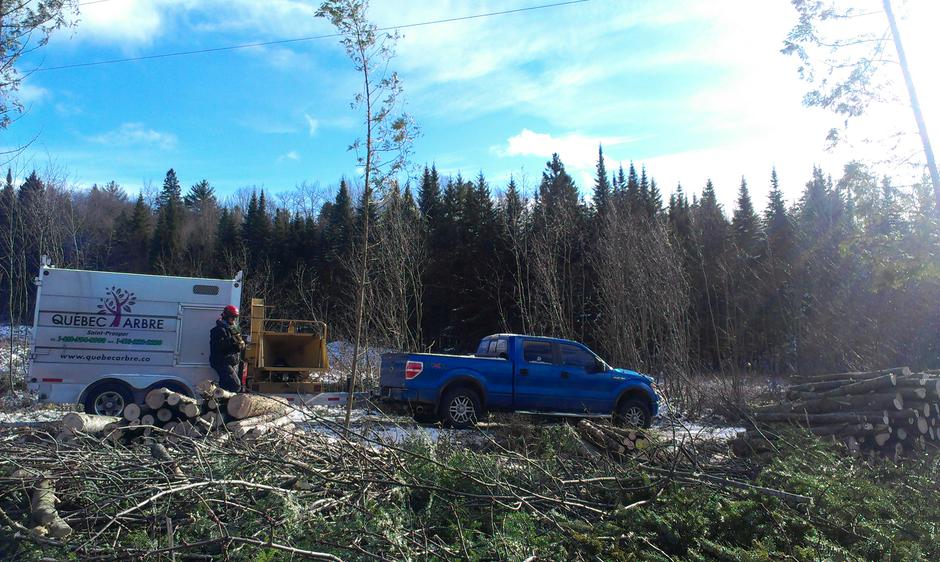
193, 336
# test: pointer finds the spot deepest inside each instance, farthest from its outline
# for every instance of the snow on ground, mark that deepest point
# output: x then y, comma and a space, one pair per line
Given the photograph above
32, 415
341, 354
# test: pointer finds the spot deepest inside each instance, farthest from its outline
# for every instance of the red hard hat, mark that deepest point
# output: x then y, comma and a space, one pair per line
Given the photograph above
230, 310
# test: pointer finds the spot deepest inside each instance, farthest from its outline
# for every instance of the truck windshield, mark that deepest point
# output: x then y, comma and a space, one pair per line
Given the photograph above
492, 347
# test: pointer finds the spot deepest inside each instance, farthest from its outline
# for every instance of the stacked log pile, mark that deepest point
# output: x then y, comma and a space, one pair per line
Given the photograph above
891, 411
613, 440
166, 413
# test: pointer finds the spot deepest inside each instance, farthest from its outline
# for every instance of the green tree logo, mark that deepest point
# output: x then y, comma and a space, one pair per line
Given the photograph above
116, 302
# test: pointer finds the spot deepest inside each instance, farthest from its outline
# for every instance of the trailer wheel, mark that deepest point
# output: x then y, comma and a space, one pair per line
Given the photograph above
633, 413
108, 399
460, 408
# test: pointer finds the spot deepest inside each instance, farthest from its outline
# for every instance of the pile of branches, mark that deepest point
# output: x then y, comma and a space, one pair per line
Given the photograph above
325, 494
218, 414
888, 411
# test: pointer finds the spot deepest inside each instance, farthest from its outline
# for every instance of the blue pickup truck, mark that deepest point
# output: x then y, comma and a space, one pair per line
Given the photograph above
515, 373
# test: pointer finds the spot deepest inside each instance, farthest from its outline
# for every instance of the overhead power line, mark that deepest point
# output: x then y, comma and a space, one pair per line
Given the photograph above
296, 39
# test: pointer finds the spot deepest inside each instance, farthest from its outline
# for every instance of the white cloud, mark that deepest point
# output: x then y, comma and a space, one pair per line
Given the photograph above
127, 22
312, 124
292, 155
31, 93
135, 134
576, 150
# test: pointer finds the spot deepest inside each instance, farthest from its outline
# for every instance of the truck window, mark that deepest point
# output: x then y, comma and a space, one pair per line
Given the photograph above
576, 357
492, 347
537, 351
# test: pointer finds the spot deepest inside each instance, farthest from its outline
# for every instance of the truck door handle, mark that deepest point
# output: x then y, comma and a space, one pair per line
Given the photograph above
565, 374
523, 372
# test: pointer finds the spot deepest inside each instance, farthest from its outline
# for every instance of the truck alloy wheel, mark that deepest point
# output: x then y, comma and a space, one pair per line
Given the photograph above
633, 413
460, 408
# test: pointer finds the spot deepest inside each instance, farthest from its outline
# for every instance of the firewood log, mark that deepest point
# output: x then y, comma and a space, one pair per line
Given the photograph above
898, 451
240, 427
209, 389
132, 412
890, 400
188, 410
923, 426
214, 419
820, 419
42, 502
283, 424
161, 454
901, 433
87, 423
881, 383
176, 398
156, 398
811, 387
243, 406
913, 394
147, 419
882, 438
164, 414
839, 430
857, 376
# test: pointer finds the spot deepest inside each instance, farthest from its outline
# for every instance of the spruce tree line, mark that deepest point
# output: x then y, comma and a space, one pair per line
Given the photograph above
847, 277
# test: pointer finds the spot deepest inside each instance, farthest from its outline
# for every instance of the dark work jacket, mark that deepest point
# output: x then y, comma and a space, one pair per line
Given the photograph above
224, 344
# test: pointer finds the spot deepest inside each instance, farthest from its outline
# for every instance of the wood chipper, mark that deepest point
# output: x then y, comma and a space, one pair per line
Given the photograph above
284, 356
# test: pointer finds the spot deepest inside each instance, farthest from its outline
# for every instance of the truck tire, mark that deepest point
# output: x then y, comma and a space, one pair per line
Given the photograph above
460, 408
633, 412
108, 398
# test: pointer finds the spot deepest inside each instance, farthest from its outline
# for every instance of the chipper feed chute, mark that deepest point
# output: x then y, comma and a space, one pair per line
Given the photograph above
285, 356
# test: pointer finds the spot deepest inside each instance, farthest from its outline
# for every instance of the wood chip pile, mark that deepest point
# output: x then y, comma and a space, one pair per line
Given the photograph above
890, 411
165, 413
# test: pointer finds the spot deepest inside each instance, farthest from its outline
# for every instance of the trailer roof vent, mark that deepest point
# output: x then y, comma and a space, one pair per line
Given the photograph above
205, 290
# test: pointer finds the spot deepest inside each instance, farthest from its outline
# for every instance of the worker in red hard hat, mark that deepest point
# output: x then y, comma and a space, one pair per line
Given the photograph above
225, 347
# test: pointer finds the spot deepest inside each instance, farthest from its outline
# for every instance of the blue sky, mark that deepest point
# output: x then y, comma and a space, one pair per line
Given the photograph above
692, 89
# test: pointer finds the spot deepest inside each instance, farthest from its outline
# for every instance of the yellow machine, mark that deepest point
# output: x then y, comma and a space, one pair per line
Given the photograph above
285, 356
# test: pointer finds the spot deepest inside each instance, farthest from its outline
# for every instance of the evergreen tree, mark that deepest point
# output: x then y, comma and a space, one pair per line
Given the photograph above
201, 198
632, 198
166, 249
228, 247
745, 224
133, 238
429, 197
256, 231
655, 200
778, 312
709, 274
602, 187
645, 204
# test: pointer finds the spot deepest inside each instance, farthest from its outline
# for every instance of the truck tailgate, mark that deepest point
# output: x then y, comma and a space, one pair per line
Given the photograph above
392, 372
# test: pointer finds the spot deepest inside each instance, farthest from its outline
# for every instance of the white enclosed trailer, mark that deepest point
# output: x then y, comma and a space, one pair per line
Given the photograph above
104, 339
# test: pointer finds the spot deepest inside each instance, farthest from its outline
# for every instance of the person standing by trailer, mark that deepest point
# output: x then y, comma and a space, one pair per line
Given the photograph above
225, 347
